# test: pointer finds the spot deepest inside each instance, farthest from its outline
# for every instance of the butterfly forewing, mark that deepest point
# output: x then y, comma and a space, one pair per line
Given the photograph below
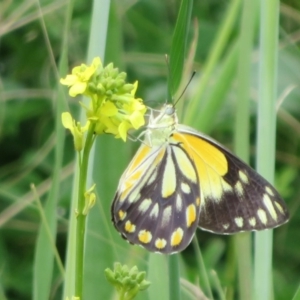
234, 197
160, 211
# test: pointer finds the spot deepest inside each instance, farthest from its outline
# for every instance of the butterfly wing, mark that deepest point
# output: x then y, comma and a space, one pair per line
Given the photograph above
157, 202
234, 197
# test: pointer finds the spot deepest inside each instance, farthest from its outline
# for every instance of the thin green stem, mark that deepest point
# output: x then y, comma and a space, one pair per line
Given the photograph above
269, 18
48, 231
81, 218
174, 282
242, 241
202, 270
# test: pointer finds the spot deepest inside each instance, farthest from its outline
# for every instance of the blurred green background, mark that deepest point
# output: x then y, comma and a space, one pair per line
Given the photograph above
139, 36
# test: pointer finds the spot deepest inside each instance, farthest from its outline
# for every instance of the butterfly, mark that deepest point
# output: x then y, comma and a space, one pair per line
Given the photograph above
181, 179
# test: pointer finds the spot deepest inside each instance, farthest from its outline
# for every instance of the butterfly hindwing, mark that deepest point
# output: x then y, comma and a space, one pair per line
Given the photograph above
159, 210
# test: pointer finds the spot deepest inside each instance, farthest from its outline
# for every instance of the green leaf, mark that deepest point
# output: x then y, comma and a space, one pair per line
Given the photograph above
178, 47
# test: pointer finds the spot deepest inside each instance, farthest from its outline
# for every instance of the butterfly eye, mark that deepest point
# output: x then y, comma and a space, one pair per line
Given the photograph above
170, 110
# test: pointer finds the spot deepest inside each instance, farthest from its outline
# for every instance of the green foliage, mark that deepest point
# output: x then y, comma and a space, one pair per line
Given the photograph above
140, 34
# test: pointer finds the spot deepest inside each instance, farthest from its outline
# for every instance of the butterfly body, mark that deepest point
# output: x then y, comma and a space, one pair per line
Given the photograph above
180, 179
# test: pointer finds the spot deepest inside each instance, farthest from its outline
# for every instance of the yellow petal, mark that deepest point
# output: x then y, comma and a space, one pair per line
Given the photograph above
135, 86
69, 80
108, 109
123, 129
77, 88
67, 121
137, 119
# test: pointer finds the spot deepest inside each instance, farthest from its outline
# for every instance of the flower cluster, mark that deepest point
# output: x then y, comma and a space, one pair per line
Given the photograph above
113, 107
127, 282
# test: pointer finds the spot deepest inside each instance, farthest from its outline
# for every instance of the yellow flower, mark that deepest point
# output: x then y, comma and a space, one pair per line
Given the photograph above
80, 77
113, 107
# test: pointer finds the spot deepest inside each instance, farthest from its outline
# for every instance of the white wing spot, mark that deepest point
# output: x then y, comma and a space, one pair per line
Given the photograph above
152, 178
279, 207
185, 188
262, 216
144, 206
154, 211
239, 222
238, 187
178, 203
185, 164
243, 176
169, 177
252, 221
134, 196
166, 216
269, 191
269, 205
225, 226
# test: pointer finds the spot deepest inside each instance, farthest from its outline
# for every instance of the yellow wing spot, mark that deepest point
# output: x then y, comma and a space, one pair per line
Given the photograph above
144, 206
269, 191
239, 188
262, 216
279, 207
190, 215
176, 237
178, 203
129, 183
239, 222
252, 221
138, 158
211, 165
169, 178
129, 227
154, 211
185, 165
269, 205
209, 155
198, 201
160, 243
145, 236
185, 188
122, 214
125, 190
166, 216
225, 226
243, 176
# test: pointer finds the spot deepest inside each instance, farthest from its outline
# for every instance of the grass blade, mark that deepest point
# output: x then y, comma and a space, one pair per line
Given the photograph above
243, 244
269, 24
178, 47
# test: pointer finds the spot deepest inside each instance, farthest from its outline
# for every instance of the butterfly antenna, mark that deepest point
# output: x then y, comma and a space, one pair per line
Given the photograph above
169, 95
192, 76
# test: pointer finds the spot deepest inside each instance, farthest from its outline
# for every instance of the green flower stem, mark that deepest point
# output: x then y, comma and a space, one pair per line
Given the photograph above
81, 218
122, 295
174, 277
